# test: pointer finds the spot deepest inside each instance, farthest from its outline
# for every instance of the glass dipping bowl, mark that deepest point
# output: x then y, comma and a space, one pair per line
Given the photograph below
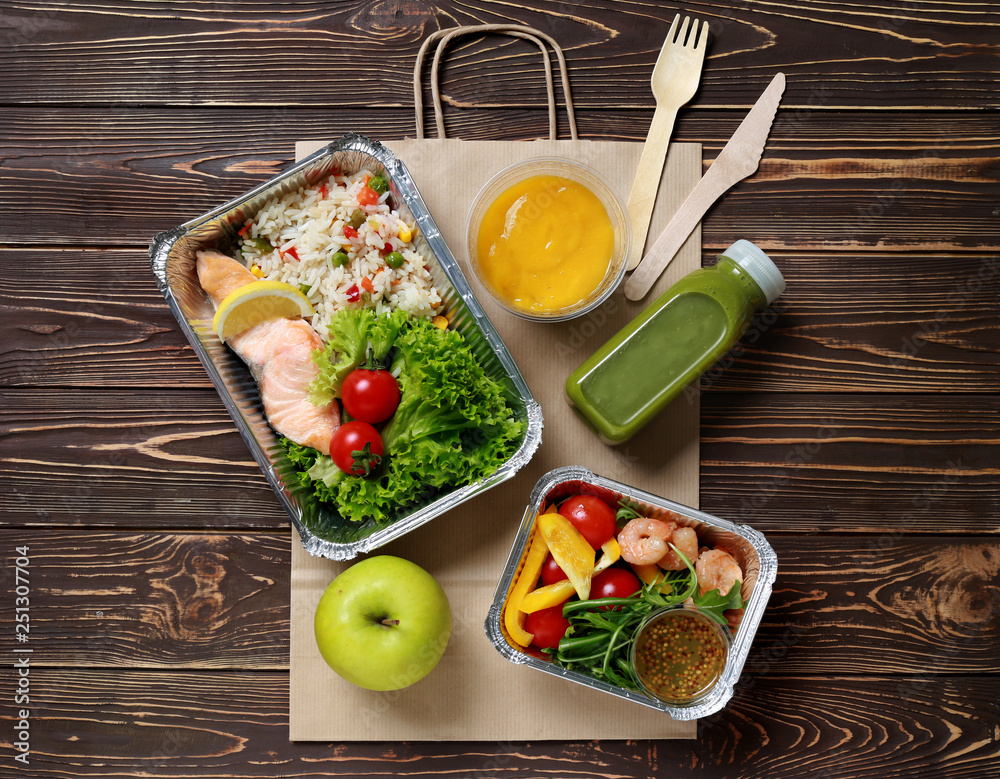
679, 654
562, 167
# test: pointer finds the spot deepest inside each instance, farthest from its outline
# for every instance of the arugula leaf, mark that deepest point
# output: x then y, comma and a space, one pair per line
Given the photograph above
713, 603
598, 642
627, 511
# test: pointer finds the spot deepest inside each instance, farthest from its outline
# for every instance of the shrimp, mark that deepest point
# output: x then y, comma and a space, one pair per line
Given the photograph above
686, 540
717, 570
644, 541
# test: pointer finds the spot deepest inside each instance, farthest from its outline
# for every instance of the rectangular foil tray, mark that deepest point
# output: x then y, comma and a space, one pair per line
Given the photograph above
172, 255
748, 546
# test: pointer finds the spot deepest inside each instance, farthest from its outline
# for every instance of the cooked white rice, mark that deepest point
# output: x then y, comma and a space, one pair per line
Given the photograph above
309, 223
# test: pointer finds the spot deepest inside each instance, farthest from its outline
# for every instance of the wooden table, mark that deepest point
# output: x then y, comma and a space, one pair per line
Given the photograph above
860, 432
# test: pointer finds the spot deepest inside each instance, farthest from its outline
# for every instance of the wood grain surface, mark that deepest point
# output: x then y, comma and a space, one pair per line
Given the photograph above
857, 424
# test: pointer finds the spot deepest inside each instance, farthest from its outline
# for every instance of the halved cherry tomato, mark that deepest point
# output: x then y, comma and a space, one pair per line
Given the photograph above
547, 627
370, 394
356, 448
551, 572
594, 518
614, 583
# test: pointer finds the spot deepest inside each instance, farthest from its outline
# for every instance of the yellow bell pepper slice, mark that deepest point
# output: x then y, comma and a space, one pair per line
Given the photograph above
559, 592
571, 551
612, 554
648, 573
513, 615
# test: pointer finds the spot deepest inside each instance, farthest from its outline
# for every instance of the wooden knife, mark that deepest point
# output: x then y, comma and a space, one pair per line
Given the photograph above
738, 159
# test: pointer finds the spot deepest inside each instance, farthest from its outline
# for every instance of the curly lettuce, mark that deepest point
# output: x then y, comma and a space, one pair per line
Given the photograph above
454, 425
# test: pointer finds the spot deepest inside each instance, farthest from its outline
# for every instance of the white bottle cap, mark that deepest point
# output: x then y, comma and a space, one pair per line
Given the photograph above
760, 267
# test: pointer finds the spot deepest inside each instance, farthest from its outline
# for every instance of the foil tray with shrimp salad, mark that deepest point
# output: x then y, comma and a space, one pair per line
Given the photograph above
439, 290
748, 547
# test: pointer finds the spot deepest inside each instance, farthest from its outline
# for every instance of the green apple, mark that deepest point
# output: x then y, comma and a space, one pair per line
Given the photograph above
383, 623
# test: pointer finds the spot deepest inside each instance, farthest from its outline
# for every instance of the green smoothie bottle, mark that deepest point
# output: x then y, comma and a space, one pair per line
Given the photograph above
671, 343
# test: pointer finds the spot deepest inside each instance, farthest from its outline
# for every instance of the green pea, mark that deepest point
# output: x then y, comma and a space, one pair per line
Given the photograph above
357, 218
394, 260
339, 259
305, 289
378, 183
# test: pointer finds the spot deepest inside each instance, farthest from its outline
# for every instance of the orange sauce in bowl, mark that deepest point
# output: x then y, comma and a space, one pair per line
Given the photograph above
545, 244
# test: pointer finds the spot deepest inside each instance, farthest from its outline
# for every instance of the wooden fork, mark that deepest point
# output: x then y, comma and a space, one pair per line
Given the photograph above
675, 80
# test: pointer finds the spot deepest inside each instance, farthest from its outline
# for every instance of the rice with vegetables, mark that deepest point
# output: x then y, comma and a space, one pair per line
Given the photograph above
341, 244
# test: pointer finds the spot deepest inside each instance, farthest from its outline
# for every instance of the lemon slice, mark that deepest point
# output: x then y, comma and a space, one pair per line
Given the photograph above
258, 302
571, 550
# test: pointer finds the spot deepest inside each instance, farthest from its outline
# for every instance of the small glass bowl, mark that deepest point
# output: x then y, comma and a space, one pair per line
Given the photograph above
679, 654
582, 174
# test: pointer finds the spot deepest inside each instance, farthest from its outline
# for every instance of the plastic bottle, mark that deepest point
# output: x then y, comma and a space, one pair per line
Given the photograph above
630, 379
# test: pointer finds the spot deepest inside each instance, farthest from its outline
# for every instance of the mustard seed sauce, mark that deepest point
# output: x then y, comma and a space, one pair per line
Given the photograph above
679, 656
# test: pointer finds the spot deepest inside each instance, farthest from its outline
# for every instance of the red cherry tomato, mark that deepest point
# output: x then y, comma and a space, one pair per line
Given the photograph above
551, 572
370, 395
356, 448
547, 626
592, 517
614, 583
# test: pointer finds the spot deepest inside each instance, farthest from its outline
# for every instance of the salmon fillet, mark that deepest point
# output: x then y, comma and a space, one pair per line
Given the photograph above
220, 275
279, 355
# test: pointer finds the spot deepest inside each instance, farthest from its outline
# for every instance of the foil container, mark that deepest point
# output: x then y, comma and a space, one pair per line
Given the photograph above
749, 547
172, 255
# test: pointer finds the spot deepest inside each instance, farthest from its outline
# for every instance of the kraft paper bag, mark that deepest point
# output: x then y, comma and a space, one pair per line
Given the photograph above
474, 694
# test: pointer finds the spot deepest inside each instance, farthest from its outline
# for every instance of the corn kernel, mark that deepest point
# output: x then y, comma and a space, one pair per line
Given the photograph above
256, 271
404, 232
440, 322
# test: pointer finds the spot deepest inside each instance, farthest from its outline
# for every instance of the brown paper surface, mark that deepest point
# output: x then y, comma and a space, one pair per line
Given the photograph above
475, 694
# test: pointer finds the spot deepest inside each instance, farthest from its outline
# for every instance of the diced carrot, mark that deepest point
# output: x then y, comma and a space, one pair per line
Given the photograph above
367, 284
367, 196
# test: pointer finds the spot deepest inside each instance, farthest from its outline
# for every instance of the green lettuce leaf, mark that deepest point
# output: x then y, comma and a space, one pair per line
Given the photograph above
356, 335
454, 425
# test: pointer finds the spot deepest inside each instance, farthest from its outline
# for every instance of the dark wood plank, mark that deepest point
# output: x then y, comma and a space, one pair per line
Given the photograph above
133, 460
204, 600
80, 317
95, 723
878, 464
117, 177
784, 462
844, 324
842, 604
271, 53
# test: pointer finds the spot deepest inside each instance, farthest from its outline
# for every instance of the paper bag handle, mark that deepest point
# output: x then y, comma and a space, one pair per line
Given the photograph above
442, 37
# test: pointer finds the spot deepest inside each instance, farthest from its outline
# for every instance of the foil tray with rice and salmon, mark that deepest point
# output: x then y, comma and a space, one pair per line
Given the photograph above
386, 399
